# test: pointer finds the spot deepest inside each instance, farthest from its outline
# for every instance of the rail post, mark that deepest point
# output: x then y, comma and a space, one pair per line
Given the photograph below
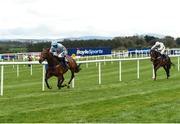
73, 83
99, 72
120, 71
43, 77
138, 69
2, 79
31, 69
178, 63
17, 70
153, 71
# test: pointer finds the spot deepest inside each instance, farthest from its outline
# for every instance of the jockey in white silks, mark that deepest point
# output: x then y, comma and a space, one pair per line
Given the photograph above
160, 47
58, 50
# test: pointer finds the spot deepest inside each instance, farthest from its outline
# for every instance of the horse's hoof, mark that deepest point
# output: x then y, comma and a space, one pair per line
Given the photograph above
64, 85
49, 87
153, 77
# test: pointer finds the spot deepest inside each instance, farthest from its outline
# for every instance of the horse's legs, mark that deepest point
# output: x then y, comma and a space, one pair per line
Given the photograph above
156, 67
166, 68
47, 76
60, 81
72, 76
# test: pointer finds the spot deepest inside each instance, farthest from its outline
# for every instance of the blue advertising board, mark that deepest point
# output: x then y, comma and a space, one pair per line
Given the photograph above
139, 50
89, 51
174, 51
8, 57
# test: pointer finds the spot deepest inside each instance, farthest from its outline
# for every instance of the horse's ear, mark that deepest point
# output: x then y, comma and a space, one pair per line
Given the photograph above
48, 49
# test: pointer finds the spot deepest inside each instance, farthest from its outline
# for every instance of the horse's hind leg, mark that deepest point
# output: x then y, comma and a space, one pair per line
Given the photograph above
59, 83
155, 74
46, 80
166, 68
72, 76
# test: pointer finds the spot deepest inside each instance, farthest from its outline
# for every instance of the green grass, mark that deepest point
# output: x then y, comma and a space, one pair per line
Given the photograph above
131, 100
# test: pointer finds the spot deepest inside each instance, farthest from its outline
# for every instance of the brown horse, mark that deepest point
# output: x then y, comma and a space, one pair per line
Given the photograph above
56, 69
160, 60
29, 59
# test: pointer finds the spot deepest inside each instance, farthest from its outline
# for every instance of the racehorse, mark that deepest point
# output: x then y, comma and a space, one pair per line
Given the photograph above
160, 60
29, 59
56, 69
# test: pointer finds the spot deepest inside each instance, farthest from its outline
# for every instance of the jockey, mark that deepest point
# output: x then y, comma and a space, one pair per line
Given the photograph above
160, 47
58, 50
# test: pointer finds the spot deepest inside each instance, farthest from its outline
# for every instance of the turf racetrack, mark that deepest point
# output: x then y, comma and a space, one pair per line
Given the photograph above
131, 100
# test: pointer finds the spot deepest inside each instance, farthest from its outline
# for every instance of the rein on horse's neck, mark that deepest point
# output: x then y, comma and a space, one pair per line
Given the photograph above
158, 54
51, 60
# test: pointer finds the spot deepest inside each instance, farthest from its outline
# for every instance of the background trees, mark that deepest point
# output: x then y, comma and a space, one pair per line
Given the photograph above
117, 43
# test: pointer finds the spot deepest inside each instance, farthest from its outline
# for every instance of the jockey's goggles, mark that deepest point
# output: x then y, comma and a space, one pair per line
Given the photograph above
55, 46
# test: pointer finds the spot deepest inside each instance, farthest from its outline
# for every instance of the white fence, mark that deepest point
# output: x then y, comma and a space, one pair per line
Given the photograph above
82, 62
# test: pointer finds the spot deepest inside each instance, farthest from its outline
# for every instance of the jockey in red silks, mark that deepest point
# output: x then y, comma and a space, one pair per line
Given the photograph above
58, 50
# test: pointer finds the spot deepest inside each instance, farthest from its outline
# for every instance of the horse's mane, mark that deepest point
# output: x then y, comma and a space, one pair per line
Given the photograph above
156, 51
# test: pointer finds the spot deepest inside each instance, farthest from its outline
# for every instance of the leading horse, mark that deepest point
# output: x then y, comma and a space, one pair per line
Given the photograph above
160, 60
56, 69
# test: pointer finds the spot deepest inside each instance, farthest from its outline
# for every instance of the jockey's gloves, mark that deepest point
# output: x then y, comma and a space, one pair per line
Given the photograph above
61, 55
55, 54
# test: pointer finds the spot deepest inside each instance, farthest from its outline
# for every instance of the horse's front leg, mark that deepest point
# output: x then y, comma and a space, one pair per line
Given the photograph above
156, 67
60, 81
46, 80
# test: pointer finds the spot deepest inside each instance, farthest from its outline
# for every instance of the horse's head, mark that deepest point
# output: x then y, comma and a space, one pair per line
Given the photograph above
154, 53
44, 55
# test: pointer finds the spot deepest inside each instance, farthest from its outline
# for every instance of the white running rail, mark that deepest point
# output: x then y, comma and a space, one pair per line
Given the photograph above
79, 62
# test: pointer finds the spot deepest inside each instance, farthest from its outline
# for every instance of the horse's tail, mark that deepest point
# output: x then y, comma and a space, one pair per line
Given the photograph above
77, 69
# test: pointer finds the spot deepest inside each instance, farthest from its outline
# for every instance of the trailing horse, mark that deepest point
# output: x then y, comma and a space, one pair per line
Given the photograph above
56, 69
160, 60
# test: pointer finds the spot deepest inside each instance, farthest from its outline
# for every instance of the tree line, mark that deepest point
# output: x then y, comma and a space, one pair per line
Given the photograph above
117, 43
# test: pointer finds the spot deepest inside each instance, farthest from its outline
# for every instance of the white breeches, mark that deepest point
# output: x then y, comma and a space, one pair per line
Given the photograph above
162, 50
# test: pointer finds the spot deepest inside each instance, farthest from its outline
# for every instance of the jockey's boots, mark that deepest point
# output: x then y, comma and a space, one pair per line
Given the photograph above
63, 62
163, 56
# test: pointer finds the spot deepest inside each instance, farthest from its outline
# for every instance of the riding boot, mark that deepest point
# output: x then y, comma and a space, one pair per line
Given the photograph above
66, 62
163, 56
63, 62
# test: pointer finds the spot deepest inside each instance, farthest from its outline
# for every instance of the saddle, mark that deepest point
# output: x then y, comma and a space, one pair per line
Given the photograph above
163, 57
63, 62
